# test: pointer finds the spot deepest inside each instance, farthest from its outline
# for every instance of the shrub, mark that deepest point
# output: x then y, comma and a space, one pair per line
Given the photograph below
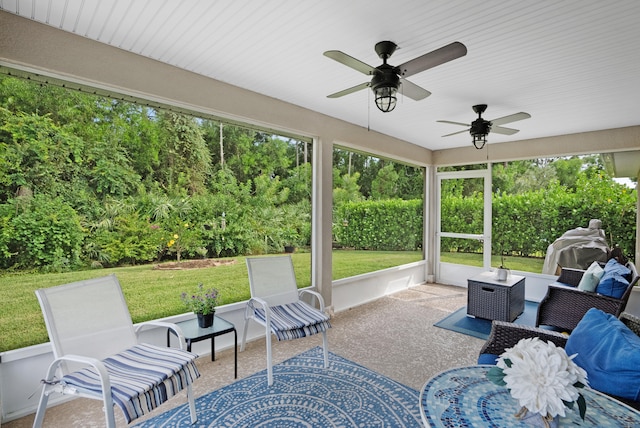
128, 239
40, 232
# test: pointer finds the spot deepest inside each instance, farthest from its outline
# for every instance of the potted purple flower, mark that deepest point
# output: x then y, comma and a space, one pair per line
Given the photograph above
202, 303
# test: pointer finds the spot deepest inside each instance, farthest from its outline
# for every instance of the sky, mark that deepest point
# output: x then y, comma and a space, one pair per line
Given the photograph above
625, 181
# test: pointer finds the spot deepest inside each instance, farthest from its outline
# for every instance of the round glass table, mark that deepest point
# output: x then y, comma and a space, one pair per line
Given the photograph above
464, 397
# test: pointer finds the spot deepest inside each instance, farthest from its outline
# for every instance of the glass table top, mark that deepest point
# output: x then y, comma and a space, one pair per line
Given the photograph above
464, 397
191, 329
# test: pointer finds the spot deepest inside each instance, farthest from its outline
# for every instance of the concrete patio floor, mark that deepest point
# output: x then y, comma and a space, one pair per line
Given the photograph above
393, 335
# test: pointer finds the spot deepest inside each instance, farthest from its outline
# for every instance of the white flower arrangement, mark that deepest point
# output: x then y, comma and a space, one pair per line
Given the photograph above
541, 377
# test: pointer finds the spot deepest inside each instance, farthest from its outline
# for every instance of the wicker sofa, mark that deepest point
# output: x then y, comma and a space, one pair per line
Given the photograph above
565, 304
505, 335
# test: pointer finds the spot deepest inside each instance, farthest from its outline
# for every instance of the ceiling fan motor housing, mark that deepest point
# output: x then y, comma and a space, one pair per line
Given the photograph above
480, 127
385, 76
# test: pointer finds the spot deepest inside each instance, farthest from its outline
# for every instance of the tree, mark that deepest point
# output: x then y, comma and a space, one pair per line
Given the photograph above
185, 159
385, 185
345, 188
410, 181
36, 154
299, 183
140, 136
567, 170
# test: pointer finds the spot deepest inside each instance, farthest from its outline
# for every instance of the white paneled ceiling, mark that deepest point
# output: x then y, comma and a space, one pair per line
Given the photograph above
574, 65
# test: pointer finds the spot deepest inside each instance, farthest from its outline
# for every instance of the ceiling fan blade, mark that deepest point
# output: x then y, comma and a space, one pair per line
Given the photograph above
349, 90
502, 130
350, 61
412, 90
511, 118
429, 60
455, 133
454, 123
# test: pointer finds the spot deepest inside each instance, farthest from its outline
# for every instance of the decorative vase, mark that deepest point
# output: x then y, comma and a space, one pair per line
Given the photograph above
536, 419
205, 320
502, 274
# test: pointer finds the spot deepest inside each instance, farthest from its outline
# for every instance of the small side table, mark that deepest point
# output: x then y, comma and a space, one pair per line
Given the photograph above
491, 299
194, 333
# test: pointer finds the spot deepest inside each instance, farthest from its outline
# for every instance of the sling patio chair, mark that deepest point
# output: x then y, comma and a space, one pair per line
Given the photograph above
276, 304
97, 353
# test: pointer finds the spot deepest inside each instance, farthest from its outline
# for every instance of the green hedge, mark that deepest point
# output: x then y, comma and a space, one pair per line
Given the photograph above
523, 224
385, 225
526, 224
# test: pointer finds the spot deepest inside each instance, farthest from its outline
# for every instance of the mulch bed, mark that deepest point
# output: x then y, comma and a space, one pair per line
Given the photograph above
193, 264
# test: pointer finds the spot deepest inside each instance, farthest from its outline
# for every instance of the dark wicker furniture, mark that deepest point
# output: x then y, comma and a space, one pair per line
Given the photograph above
565, 305
505, 335
491, 299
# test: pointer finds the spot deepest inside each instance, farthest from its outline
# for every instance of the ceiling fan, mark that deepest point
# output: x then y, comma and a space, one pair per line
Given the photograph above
480, 128
388, 78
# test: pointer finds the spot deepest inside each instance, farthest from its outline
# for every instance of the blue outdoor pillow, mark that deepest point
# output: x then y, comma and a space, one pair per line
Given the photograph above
489, 359
609, 352
613, 282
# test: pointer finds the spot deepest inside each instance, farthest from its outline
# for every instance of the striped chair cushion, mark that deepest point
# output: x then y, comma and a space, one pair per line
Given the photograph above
142, 377
294, 320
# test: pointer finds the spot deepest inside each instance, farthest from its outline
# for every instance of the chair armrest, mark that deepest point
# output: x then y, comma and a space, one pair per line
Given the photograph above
314, 294
599, 301
171, 326
631, 321
564, 307
570, 276
90, 361
506, 335
251, 306
259, 301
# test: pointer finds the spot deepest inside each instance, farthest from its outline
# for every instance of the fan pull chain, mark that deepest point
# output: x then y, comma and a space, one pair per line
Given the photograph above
368, 111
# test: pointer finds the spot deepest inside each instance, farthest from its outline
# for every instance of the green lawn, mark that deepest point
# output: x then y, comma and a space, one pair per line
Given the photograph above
525, 264
155, 293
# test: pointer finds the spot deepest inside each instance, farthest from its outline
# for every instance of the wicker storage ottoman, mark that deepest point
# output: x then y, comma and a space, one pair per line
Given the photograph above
491, 299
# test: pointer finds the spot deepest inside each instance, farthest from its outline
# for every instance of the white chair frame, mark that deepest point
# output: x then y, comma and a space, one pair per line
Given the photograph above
59, 367
272, 282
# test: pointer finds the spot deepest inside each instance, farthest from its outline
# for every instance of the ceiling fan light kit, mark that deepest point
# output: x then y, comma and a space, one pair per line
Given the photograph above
386, 98
386, 79
479, 140
480, 128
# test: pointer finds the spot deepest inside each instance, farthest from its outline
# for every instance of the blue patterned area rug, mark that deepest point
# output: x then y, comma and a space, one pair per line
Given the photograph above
480, 328
304, 394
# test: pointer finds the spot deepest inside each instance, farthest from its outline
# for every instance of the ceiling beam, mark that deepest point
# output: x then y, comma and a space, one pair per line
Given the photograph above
584, 143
